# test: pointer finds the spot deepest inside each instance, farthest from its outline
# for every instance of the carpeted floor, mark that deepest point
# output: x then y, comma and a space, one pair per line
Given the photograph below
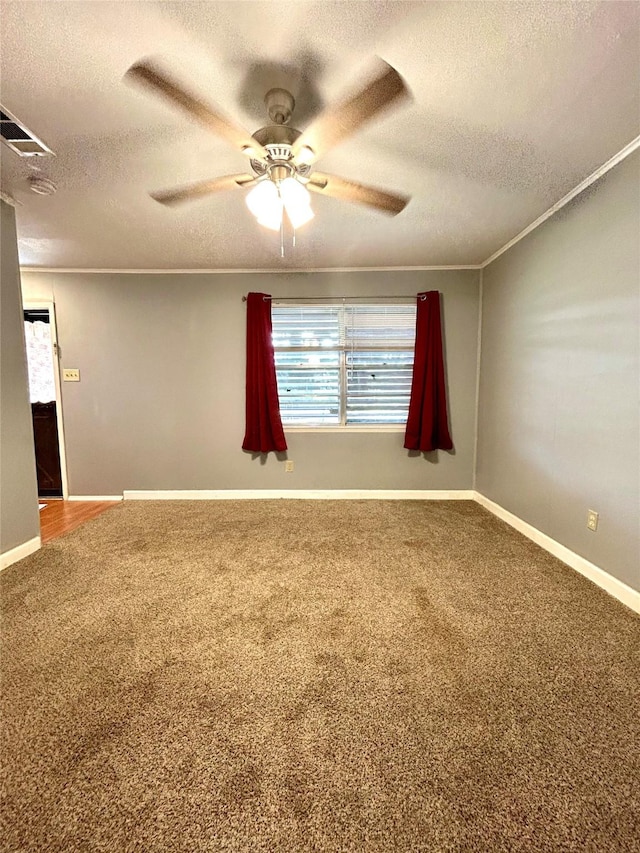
314, 676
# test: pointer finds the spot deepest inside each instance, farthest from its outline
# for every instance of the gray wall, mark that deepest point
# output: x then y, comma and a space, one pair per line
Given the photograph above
160, 404
559, 406
19, 521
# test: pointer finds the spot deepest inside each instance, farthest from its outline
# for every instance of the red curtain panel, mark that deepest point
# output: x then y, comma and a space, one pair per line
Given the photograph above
263, 424
427, 423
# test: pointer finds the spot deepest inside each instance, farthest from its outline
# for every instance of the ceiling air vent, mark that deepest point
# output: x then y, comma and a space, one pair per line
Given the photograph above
19, 139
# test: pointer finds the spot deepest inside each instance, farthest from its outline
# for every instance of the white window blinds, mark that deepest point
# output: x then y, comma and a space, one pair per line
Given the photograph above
344, 364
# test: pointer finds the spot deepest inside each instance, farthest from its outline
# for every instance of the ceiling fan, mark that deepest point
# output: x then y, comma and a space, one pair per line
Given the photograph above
281, 157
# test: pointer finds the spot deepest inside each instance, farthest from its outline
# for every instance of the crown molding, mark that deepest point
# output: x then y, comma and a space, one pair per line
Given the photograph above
593, 177
9, 199
25, 268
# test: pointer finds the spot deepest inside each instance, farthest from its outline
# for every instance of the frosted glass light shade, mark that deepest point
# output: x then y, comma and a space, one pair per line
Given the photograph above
305, 155
266, 201
263, 200
299, 216
273, 217
294, 193
297, 201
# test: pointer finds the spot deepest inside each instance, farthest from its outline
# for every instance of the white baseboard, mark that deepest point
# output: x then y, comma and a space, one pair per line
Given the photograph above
301, 494
628, 596
94, 498
19, 552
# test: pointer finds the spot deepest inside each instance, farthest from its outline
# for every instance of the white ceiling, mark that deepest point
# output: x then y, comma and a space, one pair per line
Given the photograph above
513, 105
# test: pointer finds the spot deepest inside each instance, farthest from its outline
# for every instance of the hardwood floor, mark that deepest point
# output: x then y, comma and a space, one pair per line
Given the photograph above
60, 517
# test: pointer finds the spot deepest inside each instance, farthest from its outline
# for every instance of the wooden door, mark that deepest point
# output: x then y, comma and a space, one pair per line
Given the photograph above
45, 433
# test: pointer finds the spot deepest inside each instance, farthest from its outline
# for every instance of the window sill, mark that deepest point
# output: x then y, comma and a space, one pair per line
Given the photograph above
346, 429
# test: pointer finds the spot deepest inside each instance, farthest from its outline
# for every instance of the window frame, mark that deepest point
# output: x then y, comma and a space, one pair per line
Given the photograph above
342, 351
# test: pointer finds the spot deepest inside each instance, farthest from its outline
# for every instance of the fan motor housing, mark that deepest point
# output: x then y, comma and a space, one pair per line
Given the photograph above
278, 139
276, 134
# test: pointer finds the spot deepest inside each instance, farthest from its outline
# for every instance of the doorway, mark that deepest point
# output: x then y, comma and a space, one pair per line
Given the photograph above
44, 393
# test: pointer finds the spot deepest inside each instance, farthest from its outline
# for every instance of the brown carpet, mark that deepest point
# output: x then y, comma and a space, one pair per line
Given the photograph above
314, 676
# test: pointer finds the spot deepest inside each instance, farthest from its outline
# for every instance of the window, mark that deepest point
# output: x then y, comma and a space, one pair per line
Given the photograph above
343, 364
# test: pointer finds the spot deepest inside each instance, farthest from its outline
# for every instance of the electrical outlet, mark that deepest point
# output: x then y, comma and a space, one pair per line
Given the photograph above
288, 466
592, 519
71, 374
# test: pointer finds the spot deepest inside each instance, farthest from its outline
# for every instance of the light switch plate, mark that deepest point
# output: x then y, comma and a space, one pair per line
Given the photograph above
71, 374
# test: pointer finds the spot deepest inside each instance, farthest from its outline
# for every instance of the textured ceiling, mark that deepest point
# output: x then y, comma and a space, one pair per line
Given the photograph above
513, 105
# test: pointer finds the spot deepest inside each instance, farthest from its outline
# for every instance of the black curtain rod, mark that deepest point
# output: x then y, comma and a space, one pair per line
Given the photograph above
336, 298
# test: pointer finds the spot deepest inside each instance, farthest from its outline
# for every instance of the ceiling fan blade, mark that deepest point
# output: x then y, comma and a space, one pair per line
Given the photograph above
200, 189
341, 121
359, 193
150, 75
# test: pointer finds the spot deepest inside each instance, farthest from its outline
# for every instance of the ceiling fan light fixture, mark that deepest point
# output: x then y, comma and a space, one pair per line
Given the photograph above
280, 154
267, 199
